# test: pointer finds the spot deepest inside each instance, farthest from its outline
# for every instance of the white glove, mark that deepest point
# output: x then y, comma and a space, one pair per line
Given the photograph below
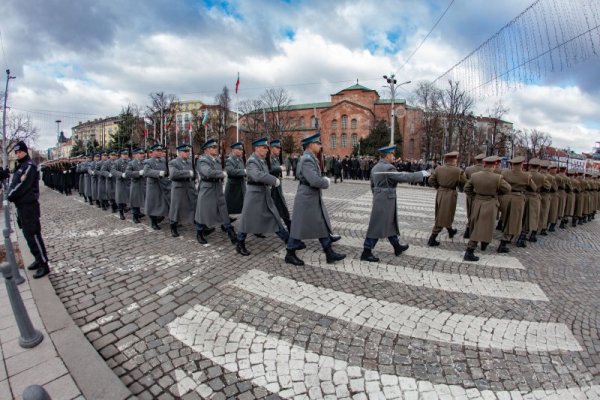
245, 171
123, 175
277, 182
328, 180
191, 173
93, 173
161, 174
110, 175
64, 172
224, 174
141, 172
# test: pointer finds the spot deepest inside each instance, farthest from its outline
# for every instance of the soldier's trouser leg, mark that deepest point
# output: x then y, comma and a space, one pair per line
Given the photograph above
436, 230
283, 234
370, 243
472, 245
325, 242
394, 240
506, 237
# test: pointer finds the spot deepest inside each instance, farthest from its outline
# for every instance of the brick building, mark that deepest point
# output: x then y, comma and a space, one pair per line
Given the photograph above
348, 116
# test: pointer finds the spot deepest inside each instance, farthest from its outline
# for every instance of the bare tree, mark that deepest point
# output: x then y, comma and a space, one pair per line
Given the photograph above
161, 112
456, 105
252, 117
533, 142
499, 138
277, 103
19, 127
220, 121
428, 98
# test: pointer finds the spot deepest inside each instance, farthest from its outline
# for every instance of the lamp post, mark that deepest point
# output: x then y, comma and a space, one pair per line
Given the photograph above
393, 85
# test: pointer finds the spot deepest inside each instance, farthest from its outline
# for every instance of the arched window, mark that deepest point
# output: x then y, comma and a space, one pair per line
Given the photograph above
354, 139
301, 122
344, 121
333, 141
344, 139
411, 148
353, 124
313, 122
334, 125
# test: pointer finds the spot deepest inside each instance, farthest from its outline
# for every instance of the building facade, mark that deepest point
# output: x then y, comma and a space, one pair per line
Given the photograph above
99, 130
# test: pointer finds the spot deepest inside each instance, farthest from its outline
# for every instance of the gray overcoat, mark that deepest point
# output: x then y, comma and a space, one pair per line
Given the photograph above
87, 179
101, 183
211, 208
277, 192
93, 180
81, 172
122, 184
309, 218
111, 179
259, 214
383, 222
183, 191
236, 184
137, 187
158, 189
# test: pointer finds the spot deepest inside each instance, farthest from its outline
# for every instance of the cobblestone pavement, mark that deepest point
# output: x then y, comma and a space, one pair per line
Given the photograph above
175, 319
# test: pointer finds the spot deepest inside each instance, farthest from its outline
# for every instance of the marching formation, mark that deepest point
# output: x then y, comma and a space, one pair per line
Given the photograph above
522, 201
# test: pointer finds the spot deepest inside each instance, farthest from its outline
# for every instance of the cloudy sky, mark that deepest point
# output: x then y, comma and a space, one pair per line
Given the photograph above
78, 60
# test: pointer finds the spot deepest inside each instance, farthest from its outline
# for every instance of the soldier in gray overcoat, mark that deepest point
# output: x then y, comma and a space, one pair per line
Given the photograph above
183, 189
310, 219
102, 174
87, 186
137, 188
259, 214
383, 222
94, 180
277, 192
211, 208
158, 186
111, 180
118, 172
235, 187
80, 169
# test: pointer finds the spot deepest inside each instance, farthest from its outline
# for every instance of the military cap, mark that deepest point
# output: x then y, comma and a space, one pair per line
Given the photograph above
183, 147
316, 138
104, 153
237, 145
387, 149
480, 156
452, 154
491, 159
535, 161
563, 167
544, 164
125, 151
517, 160
553, 166
112, 152
138, 150
156, 147
275, 143
21, 146
260, 142
209, 143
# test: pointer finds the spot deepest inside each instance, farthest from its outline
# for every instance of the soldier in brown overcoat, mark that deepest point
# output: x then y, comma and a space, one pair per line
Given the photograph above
446, 179
546, 199
520, 182
484, 187
564, 190
468, 172
532, 208
554, 197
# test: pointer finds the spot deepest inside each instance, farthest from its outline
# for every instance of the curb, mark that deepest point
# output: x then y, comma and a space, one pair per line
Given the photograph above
88, 369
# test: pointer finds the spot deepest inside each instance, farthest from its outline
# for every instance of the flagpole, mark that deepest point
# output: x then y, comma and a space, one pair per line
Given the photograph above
237, 117
145, 136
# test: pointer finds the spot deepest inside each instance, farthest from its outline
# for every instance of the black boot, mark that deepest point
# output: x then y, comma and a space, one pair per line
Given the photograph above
332, 256
43, 270
552, 227
521, 240
334, 238
562, 224
399, 248
136, 219
451, 232
574, 222
98, 204
484, 245
122, 214
503, 248
231, 234
500, 226
367, 255
208, 231
589, 218
543, 232
580, 220
114, 207
33, 266
469, 256
200, 236
260, 235
533, 237
467, 233
432, 241
155, 223
240, 247
291, 258
174, 232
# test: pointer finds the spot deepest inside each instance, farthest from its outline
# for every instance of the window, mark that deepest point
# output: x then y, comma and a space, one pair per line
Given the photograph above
411, 148
354, 139
334, 125
344, 121
344, 139
333, 141
301, 122
313, 122
353, 123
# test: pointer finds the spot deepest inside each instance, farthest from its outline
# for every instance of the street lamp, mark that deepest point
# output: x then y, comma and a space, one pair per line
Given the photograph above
393, 85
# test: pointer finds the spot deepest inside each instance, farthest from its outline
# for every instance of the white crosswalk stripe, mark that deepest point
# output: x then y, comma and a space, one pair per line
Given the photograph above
419, 234
411, 321
290, 371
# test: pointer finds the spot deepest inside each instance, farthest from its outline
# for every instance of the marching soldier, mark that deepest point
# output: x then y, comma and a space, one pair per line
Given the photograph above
446, 179
211, 207
564, 191
236, 180
137, 188
484, 187
111, 180
277, 192
520, 182
311, 220
158, 186
554, 197
546, 199
183, 189
118, 172
468, 172
102, 175
94, 167
534, 199
259, 214
383, 222
81, 176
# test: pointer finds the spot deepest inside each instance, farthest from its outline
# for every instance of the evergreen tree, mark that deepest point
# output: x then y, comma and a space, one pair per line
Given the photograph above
126, 125
78, 148
379, 137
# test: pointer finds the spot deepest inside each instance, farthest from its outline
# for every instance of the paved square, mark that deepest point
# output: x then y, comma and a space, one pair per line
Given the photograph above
175, 319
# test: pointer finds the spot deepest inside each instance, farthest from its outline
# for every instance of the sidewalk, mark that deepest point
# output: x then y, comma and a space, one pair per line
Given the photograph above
64, 363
